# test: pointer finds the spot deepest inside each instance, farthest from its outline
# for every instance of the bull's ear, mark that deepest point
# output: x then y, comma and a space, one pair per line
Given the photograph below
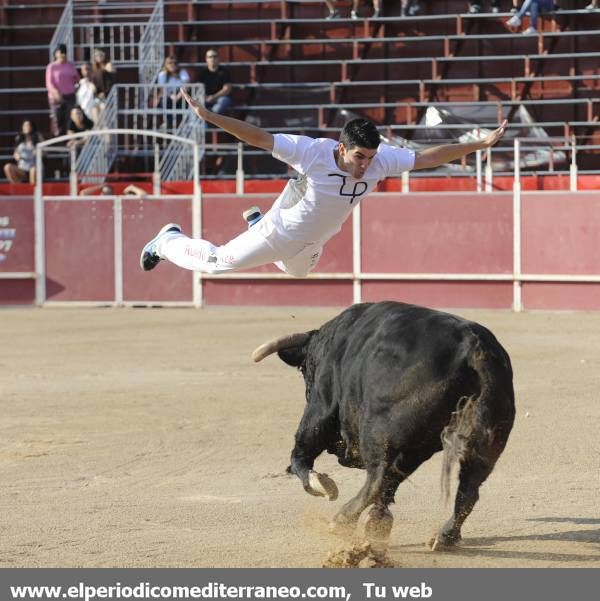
296, 355
293, 356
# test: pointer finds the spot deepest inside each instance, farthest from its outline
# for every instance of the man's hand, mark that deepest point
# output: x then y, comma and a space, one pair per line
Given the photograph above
495, 135
246, 132
200, 110
434, 156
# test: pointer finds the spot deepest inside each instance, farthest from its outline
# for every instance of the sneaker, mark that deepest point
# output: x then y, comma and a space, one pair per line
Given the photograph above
474, 9
252, 216
353, 15
333, 15
150, 258
514, 21
414, 10
495, 10
514, 9
591, 6
530, 30
375, 14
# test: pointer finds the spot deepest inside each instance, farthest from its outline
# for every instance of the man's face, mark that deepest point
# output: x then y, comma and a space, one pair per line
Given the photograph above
212, 60
356, 160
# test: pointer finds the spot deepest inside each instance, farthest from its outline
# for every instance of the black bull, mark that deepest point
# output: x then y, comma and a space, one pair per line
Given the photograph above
387, 386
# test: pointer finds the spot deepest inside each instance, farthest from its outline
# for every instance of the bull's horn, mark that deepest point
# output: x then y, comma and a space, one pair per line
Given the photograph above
289, 341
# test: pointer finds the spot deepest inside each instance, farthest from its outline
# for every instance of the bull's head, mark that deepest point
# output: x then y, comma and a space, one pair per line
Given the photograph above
291, 348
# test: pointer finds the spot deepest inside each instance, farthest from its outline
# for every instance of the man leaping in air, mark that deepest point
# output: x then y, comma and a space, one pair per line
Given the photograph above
334, 177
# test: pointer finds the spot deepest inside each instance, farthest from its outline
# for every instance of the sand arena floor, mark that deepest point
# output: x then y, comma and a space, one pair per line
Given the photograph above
147, 438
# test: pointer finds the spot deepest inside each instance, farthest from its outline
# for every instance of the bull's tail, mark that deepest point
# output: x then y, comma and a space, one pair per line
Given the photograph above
480, 424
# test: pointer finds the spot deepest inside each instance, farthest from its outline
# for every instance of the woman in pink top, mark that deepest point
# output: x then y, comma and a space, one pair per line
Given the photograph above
61, 79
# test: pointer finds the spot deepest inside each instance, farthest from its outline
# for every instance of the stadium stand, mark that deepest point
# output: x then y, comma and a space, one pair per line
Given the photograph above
295, 71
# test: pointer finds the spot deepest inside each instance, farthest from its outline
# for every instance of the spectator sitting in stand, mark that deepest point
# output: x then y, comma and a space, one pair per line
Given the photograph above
534, 7
78, 123
24, 155
61, 79
172, 77
86, 94
217, 83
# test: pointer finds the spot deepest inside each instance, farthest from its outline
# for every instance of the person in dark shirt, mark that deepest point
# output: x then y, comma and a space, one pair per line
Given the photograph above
217, 83
78, 122
103, 75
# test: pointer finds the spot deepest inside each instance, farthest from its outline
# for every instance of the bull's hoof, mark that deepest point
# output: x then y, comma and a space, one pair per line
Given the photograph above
342, 528
443, 542
378, 526
321, 485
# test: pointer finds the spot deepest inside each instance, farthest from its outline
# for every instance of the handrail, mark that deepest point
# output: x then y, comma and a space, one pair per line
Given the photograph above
151, 46
119, 36
177, 162
64, 32
99, 152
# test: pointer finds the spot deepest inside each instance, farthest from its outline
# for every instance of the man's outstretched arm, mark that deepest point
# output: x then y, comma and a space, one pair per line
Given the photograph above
439, 155
255, 136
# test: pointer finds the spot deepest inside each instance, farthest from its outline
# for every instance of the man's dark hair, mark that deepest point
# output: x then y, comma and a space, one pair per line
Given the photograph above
62, 48
360, 132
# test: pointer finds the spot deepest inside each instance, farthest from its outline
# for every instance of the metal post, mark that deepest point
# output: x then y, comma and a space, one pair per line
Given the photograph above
239, 174
118, 233
356, 255
405, 181
40, 254
156, 173
73, 173
197, 225
478, 170
488, 171
573, 167
517, 300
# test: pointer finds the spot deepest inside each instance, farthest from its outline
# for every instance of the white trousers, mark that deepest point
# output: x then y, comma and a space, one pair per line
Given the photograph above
260, 245
249, 249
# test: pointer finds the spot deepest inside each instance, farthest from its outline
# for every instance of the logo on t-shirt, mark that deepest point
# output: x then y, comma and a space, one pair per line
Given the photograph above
358, 189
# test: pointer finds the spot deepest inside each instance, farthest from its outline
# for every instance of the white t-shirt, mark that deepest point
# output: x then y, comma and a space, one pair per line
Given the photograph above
86, 97
330, 194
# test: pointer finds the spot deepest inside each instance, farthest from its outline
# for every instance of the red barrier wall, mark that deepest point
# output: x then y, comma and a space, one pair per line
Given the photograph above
17, 249
79, 250
141, 220
433, 233
401, 233
560, 236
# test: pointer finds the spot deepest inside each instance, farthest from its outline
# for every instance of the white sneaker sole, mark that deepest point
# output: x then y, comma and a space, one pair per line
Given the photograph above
162, 231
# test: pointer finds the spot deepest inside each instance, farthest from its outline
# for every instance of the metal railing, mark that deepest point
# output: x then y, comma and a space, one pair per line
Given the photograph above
144, 108
177, 161
99, 152
152, 43
124, 36
152, 107
64, 32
